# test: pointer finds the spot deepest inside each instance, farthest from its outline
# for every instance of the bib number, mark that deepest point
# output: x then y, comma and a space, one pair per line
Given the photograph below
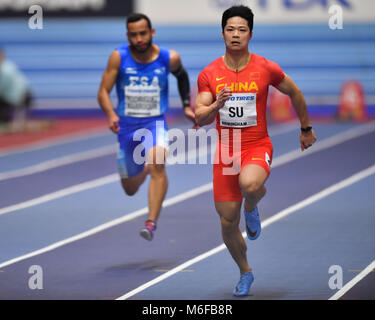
239, 111
142, 100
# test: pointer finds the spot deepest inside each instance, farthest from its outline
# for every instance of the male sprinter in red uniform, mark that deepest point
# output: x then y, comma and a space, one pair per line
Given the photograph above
233, 89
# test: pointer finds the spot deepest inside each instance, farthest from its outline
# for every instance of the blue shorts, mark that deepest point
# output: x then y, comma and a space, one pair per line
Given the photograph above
135, 139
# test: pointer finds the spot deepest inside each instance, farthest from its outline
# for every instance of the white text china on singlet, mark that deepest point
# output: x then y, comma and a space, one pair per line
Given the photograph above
142, 99
239, 111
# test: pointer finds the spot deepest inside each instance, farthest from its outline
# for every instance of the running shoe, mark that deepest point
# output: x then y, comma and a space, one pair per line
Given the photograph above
253, 226
147, 231
243, 286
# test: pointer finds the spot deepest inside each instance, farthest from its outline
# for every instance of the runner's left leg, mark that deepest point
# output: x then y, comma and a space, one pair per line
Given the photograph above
158, 181
132, 184
251, 181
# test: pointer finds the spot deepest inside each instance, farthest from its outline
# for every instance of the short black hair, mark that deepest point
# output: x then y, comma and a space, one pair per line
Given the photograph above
238, 11
134, 17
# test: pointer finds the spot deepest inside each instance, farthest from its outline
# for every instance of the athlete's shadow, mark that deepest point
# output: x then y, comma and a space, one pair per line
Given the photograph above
255, 295
152, 264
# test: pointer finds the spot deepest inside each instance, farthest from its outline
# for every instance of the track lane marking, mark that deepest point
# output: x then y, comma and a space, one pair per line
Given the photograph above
267, 222
353, 282
96, 153
135, 214
51, 142
285, 158
291, 156
59, 162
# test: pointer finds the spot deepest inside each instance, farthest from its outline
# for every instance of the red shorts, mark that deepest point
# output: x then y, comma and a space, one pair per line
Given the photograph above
226, 186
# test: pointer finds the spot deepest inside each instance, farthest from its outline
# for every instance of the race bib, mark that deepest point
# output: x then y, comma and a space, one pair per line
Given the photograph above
239, 111
142, 101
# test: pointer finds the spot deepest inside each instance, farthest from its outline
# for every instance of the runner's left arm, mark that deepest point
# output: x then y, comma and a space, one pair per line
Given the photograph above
178, 70
289, 87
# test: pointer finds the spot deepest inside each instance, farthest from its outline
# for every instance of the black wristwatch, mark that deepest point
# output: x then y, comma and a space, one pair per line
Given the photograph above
306, 129
186, 103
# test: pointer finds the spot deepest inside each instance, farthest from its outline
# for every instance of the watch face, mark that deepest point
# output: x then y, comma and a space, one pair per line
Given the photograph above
307, 129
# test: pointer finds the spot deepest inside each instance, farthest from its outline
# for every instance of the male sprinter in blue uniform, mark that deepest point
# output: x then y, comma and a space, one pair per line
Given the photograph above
140, 70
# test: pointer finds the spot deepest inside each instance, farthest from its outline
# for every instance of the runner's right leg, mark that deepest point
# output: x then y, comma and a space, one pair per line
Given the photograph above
230, 215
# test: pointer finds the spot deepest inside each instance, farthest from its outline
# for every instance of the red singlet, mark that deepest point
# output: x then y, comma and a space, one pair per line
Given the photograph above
243, 113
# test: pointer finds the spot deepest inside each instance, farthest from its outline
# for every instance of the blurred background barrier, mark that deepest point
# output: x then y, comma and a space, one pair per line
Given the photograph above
273, 12
64, 61
352, 104
67, 8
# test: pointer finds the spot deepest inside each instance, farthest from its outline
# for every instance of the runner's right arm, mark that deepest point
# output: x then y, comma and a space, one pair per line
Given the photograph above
108, 80
206, 108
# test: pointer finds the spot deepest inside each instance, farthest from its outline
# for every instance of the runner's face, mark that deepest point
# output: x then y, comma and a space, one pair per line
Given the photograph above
237, 34
140, 35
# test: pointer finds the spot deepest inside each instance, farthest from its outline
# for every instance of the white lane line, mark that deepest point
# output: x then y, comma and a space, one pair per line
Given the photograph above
107, 150
285, 158
58, 162
267, 222
61, 193
135, 214
326, 143
322, 194
111, 178
172, 272
68, 138
72, 189
103, 151
353, 282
